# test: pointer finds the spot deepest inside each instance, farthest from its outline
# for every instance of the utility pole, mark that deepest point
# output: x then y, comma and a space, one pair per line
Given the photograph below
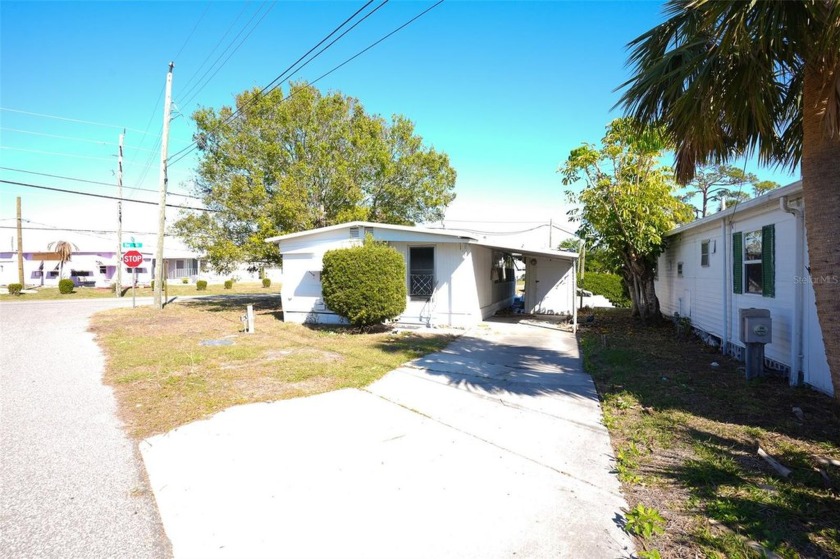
20, 244
164, 144
118, 291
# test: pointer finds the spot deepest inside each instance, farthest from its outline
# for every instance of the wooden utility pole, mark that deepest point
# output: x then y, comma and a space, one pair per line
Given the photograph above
118, 291
164, 144
20, 244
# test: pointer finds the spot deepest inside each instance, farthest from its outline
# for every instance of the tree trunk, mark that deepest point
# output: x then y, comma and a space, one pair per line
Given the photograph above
821, 188
639, 279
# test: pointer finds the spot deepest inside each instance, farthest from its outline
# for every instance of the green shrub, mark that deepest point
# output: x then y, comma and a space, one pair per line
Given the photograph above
266, 282
185, 281
228, 284
364, 284
201, 285
610, 286
15, 288
65, 286
644, 521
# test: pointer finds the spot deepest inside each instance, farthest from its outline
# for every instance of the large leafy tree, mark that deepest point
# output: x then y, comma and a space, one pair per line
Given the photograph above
727, 77
277, 164
627, 204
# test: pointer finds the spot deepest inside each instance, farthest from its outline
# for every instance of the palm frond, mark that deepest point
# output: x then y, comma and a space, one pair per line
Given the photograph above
724, 77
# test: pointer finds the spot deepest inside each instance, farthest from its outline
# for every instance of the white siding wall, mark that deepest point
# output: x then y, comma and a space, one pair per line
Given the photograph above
699, 293
492, 296
455, 300
302, 264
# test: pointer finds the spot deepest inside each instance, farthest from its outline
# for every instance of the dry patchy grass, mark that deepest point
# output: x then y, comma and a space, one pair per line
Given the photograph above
163, 377
686, 435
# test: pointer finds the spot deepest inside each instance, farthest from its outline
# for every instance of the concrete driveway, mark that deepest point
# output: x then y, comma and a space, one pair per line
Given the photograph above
492, 448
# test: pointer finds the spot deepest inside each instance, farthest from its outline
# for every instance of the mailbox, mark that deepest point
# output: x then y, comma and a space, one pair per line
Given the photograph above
756, 326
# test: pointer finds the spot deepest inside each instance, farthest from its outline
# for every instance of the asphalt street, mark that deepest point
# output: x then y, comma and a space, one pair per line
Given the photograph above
71, 483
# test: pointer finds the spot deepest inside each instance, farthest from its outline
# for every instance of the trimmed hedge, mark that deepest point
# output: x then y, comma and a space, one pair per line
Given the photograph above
201, 285
266, 282
15, 288
228, 284
364, 284
185, 280
65, 286
610, 286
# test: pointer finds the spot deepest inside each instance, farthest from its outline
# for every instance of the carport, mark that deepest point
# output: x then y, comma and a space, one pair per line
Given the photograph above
550, 280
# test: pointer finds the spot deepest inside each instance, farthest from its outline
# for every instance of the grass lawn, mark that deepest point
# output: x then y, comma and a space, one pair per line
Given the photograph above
164, 377
173, 290
686, 436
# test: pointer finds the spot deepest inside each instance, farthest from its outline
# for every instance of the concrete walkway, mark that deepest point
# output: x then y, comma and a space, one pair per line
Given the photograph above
492, 448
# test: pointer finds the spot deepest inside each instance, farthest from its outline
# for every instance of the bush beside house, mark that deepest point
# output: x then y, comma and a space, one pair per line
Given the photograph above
15, 288
66, 286
610, 286
364, 284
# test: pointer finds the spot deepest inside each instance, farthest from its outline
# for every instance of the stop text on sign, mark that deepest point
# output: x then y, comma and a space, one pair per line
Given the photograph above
132, 258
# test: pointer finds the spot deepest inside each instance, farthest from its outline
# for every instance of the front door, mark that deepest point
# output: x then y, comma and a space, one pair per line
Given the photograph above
421, 285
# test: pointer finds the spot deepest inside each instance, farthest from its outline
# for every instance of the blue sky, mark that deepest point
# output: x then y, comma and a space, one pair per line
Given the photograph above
505, 88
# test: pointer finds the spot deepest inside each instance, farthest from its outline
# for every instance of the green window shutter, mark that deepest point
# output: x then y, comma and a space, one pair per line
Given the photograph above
738, 262
768, 260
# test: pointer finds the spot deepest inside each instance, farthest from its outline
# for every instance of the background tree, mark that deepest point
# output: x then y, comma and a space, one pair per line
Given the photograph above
627, 203
364, 284
726, 78
716, 183
277, 164
64, 251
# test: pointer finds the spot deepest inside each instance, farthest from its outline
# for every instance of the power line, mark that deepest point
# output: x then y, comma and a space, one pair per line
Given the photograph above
194, 145
242, 42
334, 41
400, 28
93, 182
49, 228
213, 50
61, 154
42, 115
40, 187
187, 40
74, 138
269, 87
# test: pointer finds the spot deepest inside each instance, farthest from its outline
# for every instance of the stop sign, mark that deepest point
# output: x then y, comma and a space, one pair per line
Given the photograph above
132, 258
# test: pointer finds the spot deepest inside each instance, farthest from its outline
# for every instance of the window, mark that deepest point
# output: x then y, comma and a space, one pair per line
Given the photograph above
679, 269
139, 270
103, 270
704, 253
502, 270
52, 274
81, 273
753, 255
421, 272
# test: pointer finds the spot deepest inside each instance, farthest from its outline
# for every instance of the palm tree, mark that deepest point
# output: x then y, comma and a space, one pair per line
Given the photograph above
727, 78
64, 250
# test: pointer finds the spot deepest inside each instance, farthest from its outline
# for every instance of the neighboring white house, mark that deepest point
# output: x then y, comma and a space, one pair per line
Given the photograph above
452, 278
752, 255
95, 259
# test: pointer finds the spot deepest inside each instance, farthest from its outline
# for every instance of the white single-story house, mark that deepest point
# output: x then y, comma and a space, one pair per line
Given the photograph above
452, 278
95, 259
751, 255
